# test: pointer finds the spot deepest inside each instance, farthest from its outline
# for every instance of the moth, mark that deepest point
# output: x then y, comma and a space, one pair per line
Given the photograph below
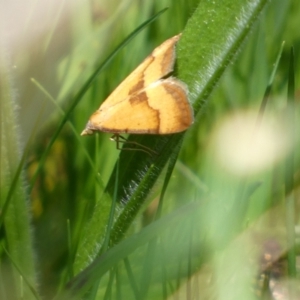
148, 101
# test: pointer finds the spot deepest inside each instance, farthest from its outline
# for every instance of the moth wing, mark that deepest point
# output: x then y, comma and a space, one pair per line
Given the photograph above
170, 99
161, 108
157, 65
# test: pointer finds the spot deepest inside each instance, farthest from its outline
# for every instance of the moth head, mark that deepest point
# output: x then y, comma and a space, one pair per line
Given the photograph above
89, 129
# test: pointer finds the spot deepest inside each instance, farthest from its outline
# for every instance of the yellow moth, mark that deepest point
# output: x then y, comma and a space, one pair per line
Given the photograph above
147, 101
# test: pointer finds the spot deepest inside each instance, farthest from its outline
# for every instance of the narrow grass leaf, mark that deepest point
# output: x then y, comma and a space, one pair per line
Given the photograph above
289, 175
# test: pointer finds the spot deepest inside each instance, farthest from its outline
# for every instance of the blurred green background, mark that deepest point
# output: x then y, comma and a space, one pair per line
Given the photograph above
230, 213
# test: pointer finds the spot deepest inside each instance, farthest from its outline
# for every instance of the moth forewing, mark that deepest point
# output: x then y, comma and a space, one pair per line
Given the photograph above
146, 102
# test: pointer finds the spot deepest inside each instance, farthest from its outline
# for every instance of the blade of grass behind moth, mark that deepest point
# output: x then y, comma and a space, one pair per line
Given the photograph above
269, 86
289, 174
83, 90
224, 30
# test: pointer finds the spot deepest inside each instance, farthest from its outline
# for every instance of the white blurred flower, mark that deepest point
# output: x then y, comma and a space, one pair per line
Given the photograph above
244, 146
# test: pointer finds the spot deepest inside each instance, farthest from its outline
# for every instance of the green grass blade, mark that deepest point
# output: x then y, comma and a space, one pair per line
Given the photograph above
289, 175
210, 42
13, 197
269, 86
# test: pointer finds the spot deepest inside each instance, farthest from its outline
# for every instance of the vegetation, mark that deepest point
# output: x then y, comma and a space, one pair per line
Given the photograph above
213, 214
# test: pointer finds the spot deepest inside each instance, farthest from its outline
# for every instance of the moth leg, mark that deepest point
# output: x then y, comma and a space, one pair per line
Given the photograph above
120, 139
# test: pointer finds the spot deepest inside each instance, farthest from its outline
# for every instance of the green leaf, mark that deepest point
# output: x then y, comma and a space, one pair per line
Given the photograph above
15, 217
